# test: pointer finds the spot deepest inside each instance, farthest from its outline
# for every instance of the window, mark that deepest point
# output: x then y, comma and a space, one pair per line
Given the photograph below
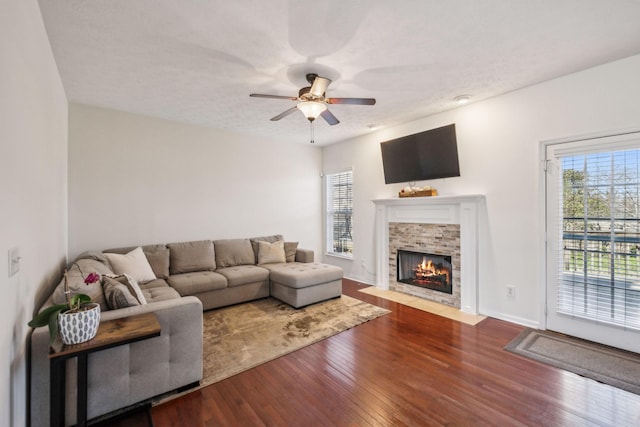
339, 213
599, 265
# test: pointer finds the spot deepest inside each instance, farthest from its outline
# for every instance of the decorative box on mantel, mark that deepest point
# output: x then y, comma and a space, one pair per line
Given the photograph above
461, 210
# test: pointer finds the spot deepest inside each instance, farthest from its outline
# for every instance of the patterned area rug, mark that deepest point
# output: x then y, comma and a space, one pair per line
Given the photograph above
605, 364
246, 335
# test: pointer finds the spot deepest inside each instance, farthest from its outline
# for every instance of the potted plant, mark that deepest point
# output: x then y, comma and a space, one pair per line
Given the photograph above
77, 320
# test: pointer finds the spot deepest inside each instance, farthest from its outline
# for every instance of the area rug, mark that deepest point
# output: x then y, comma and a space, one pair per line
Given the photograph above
605, 364
246, 335
424, 305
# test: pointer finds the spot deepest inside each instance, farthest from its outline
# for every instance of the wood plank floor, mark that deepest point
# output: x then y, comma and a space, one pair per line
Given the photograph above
408, 368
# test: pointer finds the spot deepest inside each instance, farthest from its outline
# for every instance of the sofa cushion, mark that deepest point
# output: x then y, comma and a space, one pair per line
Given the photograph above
301, 275
186, 257
95, 255
127, 249
197, 282
158, 283
230, 252
290, 249
243, 274
75, 276
159, 261
134, 263
158, 290
269, 253
270, 239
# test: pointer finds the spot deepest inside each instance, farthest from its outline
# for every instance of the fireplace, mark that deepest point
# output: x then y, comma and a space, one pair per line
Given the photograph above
425, 270
440, 225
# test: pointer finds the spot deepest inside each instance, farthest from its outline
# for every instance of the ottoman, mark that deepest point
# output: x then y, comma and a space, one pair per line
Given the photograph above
299, 284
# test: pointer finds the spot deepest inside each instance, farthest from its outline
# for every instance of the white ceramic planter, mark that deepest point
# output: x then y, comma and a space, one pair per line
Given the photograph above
81, 326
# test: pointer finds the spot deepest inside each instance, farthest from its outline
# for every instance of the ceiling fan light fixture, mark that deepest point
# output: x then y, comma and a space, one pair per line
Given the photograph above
311, 109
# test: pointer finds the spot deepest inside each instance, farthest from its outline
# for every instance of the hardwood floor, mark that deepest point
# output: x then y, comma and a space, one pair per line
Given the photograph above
408, 368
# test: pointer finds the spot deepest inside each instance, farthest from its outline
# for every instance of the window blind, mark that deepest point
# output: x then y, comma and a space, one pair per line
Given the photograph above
599, 277
339, 213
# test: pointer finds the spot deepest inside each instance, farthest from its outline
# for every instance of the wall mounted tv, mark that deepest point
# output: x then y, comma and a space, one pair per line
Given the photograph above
426, 155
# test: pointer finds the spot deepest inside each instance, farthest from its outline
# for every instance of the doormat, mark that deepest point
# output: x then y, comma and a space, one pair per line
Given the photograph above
608, 365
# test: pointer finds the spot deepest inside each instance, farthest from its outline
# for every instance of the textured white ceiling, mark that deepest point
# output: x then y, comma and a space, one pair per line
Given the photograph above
197, 61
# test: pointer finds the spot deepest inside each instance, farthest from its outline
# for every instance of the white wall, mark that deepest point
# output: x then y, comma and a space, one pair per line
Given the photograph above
498, 144
140, 180
33, 195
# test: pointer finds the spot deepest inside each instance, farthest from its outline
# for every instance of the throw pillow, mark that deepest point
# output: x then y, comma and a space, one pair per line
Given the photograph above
132, 286
269, 253
134, 264
290, 250
159, 262
117, 294
270, 239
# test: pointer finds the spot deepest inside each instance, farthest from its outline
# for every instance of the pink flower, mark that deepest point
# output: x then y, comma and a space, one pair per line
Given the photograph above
91, 278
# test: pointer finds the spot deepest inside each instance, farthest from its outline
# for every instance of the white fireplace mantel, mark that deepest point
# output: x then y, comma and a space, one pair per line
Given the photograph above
462, 210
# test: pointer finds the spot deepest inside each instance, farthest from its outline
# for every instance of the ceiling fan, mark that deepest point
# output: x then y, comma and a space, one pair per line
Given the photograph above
312, 101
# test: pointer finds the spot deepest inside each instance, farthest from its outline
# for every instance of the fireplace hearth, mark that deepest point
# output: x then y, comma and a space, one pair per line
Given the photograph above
425, 270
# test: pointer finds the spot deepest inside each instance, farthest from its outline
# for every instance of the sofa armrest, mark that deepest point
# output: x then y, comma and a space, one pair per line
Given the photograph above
122, 376
304, 255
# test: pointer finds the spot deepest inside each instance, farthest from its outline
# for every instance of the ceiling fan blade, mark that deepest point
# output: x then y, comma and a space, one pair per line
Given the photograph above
319, 86
329, 117
284, 114
259, 95
351, 101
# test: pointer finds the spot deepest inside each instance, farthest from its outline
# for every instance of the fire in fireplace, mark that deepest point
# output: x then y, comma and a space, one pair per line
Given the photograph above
425, 270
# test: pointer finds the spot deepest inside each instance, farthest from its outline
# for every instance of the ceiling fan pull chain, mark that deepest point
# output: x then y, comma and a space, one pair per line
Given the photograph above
312, 137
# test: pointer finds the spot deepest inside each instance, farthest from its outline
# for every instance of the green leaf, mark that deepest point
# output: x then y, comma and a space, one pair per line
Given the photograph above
53, 323
42, 318
79, 299
83, 298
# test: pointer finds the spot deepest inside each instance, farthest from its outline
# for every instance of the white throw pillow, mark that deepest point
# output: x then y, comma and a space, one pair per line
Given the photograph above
135, 264
134, 288
269, 253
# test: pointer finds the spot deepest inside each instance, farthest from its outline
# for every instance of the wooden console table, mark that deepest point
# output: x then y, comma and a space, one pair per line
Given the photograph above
111, 333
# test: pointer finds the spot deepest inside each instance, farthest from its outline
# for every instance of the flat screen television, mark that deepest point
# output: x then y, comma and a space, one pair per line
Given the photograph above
426, 155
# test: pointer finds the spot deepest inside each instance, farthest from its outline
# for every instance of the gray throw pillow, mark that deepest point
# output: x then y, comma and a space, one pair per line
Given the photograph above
290, 250
117, 294
159, 261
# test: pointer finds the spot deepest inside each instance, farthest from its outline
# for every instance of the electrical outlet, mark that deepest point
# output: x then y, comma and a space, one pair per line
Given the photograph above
511, 291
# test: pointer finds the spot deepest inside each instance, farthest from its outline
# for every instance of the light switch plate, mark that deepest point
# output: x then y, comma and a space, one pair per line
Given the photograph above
14, 261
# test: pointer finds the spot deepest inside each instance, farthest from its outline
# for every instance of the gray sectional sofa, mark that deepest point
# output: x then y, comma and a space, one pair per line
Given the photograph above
179, 281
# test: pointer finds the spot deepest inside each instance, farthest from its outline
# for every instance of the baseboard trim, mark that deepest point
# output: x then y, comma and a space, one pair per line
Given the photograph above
359, 280
512, 319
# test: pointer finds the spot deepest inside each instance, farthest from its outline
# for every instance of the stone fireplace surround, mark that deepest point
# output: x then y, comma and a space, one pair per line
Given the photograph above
437, 239
460, 210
